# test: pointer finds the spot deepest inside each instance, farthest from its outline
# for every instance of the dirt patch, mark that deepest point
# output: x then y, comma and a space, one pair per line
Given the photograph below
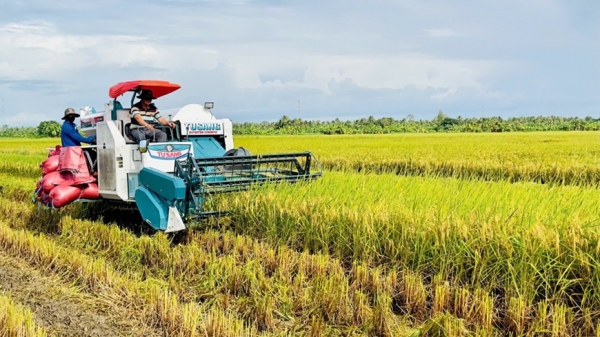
64, 310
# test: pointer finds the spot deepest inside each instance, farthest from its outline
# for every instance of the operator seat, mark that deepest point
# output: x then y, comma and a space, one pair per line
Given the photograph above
124, 122
128, 132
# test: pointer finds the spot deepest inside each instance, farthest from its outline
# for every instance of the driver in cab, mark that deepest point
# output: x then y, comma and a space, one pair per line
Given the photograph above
145, 116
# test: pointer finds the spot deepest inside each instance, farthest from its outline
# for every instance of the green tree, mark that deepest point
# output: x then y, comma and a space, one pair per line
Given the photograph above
439, 117
283, 122
49, 129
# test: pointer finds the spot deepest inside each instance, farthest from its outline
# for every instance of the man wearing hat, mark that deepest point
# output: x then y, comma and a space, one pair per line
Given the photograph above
69, 135
145, 116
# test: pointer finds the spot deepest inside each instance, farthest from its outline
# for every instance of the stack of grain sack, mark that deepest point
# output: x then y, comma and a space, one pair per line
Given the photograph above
65, 178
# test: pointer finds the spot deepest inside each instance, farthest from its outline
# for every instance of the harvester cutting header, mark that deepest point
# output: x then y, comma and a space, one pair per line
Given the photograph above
169, 179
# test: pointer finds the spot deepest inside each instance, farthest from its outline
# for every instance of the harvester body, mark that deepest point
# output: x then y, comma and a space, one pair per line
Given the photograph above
169, 182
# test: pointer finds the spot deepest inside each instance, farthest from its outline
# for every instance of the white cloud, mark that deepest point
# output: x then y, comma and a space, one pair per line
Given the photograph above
376, 72
38, 50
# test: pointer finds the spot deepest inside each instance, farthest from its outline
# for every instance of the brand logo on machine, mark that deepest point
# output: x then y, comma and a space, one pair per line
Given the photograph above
203, 128
169, 151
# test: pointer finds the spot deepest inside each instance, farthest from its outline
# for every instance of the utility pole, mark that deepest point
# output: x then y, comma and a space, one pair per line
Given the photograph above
298, 108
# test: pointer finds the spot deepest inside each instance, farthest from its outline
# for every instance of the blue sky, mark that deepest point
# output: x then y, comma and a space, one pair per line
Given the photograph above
260, 60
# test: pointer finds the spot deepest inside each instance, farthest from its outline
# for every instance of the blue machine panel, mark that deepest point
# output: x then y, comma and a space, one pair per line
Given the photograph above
153, 209
205, 147
164, 184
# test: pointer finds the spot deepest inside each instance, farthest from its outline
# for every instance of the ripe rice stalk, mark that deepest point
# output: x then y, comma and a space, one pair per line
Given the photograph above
560, 315
219, 323
361, 308
441, 295
443, 325
382, 325
541, 322
301, 294
264, 316
414, 295
518, 315
317, 327
482, 310
588, 321
332, 292
462, 304
17, 320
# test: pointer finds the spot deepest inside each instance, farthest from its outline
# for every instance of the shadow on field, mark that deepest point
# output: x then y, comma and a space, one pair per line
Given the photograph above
125, 217
46, 219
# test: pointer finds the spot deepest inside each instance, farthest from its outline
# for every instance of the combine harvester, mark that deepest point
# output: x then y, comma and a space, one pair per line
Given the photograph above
169, 182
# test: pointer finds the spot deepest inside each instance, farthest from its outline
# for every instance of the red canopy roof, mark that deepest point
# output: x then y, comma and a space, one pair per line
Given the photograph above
159, 88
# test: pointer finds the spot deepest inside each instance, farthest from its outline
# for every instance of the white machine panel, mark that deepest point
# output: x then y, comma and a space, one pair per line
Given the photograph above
202, 128
162, 156
198, 121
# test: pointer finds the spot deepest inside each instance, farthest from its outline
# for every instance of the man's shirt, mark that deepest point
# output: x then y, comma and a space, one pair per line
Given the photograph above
69, 135
150, 115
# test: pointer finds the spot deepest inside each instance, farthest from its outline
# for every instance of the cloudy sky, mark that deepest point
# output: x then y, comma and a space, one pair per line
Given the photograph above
262, 59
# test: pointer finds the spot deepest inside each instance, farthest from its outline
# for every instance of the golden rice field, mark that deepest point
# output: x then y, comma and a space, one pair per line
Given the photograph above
405, 235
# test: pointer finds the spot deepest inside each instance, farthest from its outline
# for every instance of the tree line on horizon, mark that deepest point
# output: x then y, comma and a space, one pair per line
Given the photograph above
440, 123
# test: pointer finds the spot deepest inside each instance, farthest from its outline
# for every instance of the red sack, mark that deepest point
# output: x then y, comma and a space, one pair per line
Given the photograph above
55, 151
90, 191
50, 180
72, 160
56, 178
50, 164
72, 179
62, 195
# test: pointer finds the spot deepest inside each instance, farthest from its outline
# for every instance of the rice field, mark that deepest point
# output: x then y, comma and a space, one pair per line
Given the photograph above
405, 235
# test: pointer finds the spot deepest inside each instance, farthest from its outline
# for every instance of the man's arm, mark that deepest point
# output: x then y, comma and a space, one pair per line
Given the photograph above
161, 119
74, 134
165, 122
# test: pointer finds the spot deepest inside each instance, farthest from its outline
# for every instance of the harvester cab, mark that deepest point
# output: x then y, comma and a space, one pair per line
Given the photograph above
169, 182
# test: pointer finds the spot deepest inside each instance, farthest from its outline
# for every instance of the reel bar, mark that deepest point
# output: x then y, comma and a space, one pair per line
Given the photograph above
208, 176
